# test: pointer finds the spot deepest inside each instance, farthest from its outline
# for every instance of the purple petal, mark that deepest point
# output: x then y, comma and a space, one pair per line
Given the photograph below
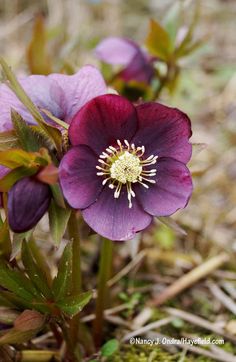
79, 88
139, 69
102, 121
3, 171
42, 90
62, 95
116, 51
171, 192
112, 217
28, 200
78, 177
164, 131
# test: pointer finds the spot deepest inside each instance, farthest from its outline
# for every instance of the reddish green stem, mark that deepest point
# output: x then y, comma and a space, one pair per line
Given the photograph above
102, 296
73, 230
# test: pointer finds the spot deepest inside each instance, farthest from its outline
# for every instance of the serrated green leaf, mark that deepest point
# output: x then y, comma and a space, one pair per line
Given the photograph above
5, 241
25, 134
35, 274
62, 282
6, 302
73, 304
12, 300
8, 140
158, 41
16, 282
58, 219
109, 348
42, 138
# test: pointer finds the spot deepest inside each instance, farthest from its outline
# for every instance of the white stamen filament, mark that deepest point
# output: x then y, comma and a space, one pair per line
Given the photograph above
124, 166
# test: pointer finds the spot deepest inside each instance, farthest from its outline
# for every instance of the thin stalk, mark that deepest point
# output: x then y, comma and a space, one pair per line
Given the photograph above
102, 297
73, 231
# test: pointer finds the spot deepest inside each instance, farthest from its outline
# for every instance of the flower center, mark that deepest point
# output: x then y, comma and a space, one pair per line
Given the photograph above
125, 165
126, 168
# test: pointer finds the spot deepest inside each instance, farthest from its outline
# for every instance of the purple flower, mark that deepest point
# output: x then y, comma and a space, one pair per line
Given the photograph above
28, 200
137, 65
126, 165
62, 95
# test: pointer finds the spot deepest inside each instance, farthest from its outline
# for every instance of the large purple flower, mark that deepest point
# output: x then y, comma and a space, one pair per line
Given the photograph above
137, 65
63, 96
126, 165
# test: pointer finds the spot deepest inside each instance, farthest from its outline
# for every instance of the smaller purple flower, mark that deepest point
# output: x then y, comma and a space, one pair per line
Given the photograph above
137, 65
127, 164
28, 200
62, 95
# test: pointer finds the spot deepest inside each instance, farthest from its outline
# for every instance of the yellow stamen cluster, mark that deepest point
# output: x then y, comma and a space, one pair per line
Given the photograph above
124, 165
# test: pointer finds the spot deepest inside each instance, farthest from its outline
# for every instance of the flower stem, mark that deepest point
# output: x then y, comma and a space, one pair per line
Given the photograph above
73, 231
104, 275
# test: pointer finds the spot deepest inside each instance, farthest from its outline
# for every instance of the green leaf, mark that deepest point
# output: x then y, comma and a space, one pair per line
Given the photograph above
37, 56
62, 282
165, 237
13, 176
73, 304
58, 219
172, 224
189, 35
58, 121
172, 20
17, 242
16, 337
25, 134
16, 157
41, 137
57, 195
8, 140
109, 348
158, 41
16, 282
36, 275
5, 241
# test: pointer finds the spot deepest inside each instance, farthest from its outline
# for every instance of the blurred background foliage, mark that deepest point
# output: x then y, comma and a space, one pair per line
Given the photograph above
63, 34
66, 32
